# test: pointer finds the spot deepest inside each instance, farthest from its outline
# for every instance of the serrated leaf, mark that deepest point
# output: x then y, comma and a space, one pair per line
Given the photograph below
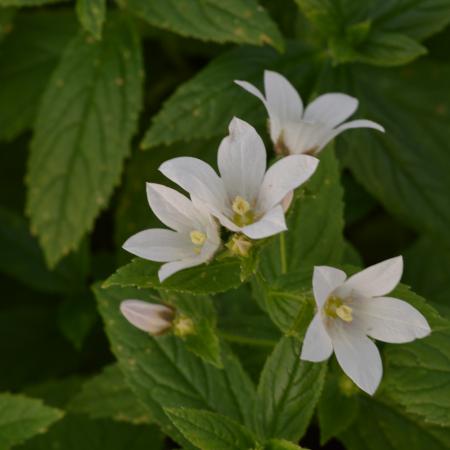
210, 431
384, 426
22, 417
28, 55
23, 259
164, 374
288, 392
218, 276
405, 167
78, 432
84, 125
315, 224
240, 21
91, 14
106, 395
203, 106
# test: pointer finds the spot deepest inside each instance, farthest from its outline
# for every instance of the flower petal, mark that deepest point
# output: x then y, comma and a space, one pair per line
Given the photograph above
377, 280
171, 268
273, 222
149, 317
159, 245
251, 89
357, 355
390, 320
317, 344
282, 177
172, 208
331, 109
361, 123
242, 161
198, 178
304, 137
325, 280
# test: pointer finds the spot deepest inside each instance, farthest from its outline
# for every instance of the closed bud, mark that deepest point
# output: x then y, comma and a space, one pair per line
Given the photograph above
152, 318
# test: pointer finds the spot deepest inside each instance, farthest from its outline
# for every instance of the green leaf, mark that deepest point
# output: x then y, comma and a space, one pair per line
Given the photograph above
106, 395
240, 21
78, 432
6, 21
21, 3
203, 106
383, 426
418, 377
84, 125
315, 224
288, 392
22, 259
164, 374
22, 417
28, 55
405, 168
279, 444
91, 14
430, 279
218, 276
200, 310
338, 406
210, 431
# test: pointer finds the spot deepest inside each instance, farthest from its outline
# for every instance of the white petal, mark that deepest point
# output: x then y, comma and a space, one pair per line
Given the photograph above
252, 89
159, 245
170, 268
242, 161
198, 178
283, 102
273, 222
172, 208
325, 281
331, 109
377, 280
282, 177
361, 123
149, 317
304, 137
357, 355
316, 344
390, 320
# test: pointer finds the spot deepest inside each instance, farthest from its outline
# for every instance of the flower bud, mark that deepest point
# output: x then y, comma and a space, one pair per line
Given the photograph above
153, 318
239, 245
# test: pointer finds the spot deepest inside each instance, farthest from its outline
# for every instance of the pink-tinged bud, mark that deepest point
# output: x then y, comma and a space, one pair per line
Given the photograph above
152, 318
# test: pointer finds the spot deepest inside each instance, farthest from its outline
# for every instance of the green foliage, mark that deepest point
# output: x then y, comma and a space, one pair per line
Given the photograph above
279, 444
91, 14
29, 54
288, 392
21, 3
240, 21
203, 106
22, 417
107, 396
85, 122
210, 431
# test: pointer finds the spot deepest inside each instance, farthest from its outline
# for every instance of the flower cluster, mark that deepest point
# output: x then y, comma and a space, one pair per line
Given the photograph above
249, 200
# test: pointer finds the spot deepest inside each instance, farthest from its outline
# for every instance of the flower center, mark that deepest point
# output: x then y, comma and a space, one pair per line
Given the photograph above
335, 307
198, 237
243, 215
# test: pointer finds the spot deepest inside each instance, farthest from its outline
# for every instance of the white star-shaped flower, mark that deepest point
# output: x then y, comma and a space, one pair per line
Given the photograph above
152, 318
296, 131
245, 198
192, 240
354, 309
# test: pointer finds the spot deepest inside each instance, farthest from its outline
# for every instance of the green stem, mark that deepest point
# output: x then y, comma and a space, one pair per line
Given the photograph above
283, 259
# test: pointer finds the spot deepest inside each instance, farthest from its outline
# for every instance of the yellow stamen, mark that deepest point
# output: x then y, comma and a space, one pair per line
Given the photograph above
344, 312
240, 205
198, 237
239, 245
335, 307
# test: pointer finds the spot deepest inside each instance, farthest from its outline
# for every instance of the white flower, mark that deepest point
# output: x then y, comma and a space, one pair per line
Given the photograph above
245, 198
296, 131
153, 318
350, 310
194, 240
